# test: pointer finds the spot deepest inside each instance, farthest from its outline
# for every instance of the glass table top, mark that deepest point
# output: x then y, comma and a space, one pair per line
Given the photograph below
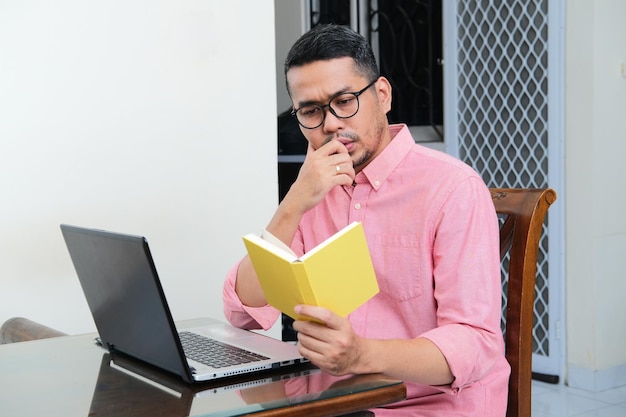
72, 376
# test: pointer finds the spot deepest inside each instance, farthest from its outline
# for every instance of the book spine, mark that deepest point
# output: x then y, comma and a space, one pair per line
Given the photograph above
302, 277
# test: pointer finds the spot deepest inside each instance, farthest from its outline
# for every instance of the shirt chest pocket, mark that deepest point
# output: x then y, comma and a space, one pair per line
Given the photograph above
398, 267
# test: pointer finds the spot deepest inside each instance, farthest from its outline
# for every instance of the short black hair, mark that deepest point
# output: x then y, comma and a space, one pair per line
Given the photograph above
330, 41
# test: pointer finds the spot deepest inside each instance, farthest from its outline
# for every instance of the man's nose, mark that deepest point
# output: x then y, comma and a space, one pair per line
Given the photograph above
331, 122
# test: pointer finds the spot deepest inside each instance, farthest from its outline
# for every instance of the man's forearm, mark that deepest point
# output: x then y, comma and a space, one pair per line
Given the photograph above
417, 360
247, 285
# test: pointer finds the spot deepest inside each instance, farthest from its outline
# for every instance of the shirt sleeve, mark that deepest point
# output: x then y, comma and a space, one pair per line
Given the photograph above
467, 283
240, 315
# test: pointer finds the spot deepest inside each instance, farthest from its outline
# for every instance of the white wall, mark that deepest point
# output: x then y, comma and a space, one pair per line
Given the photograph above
595, 223
153, 117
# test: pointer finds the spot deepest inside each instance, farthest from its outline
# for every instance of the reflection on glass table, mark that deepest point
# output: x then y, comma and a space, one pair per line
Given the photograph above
72, 376
139, 390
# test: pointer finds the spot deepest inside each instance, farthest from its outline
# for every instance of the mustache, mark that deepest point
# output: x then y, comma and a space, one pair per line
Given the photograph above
348, 135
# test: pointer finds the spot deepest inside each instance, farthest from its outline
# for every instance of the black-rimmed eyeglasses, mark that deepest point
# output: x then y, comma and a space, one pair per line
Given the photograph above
342, 106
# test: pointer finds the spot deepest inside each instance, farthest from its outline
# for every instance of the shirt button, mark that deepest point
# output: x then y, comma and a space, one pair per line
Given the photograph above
357, 206
377, 183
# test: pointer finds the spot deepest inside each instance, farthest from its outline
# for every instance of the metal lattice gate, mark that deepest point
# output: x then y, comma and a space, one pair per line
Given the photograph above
502, 120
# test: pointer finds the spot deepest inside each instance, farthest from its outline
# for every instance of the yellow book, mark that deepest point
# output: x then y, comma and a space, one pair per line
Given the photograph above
337, 274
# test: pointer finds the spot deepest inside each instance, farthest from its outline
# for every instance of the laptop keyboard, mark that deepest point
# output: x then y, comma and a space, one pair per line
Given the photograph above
213, 353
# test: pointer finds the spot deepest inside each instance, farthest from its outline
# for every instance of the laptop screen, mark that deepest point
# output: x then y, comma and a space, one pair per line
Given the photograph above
120, 282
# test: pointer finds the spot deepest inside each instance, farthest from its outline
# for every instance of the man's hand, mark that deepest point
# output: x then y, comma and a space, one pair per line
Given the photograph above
323, 168
333, 346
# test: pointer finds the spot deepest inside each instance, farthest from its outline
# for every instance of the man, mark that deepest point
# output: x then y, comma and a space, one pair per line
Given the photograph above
431, 228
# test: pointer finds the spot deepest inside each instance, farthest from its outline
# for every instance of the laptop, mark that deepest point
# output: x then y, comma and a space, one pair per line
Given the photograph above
120, 282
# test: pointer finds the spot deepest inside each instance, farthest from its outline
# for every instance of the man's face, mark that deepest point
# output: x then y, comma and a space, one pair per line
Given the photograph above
366, 133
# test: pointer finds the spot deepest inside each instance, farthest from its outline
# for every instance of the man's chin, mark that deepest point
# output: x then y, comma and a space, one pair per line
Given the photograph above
360, 161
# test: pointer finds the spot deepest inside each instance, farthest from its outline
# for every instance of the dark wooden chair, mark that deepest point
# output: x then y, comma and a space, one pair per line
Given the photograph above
19, 329
524, 211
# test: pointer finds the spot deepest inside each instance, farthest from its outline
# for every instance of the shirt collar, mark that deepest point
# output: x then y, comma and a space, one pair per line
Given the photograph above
377, 171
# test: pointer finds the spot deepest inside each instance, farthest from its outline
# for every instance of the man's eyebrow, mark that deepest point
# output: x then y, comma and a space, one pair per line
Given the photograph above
321, 103
308, 103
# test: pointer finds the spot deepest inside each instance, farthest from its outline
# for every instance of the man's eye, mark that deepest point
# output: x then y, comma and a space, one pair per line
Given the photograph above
309, 111
343, 101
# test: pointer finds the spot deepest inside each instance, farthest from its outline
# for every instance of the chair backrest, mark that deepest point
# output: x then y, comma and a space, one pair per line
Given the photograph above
19, 329
524, 211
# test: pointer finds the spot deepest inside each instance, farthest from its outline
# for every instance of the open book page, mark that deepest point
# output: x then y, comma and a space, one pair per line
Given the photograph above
331, 239
276, 241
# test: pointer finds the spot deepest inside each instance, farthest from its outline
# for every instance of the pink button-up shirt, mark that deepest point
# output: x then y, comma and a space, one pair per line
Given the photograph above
433, 237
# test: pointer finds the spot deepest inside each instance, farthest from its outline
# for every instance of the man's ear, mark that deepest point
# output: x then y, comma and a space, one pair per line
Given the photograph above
383, 89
